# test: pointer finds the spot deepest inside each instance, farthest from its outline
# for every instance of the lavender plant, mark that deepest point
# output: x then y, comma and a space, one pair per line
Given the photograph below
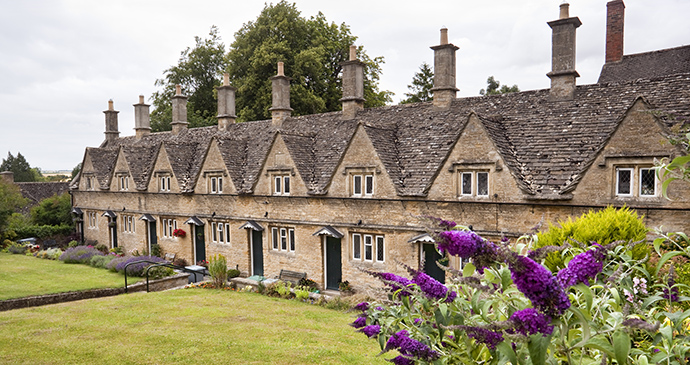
138, 269
79, 254
507, 307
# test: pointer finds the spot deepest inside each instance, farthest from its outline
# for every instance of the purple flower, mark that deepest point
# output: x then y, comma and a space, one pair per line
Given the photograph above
379, 308
432, 288
394, 281
529, 321
582, 267
410, 347
539, 285
359, 322
459, 243
402, 360
371, 330
486, 255
483, 335
671, 291
363, 306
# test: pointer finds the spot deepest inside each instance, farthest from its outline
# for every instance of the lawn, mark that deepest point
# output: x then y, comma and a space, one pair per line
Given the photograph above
183, 326
22, 276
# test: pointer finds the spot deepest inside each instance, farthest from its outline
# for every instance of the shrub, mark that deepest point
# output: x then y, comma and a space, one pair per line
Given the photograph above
79, 255
159, 272
16, 249
139, 268
233, 273
53, 253
72, 244
218, 269
156, 250
117, 251
180, 262
302, 293
309, 284
101, 261
103, 248
5, 244
603, 227
112, 265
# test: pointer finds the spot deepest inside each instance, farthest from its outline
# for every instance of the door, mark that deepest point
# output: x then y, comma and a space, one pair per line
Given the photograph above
256, 241
113, 232
333, 263
152, 237
432, 256
199, 244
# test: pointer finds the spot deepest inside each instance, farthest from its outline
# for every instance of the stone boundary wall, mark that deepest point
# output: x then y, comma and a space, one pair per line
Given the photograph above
39, 300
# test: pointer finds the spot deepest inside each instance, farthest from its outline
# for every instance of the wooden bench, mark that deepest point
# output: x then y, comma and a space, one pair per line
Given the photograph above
170, 257
292, 276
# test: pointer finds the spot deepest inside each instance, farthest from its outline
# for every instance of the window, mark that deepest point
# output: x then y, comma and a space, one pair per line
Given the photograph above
362, 185
92, 220
89, 183
216, 185
164, 183
168, 226
281, 185
283, 239
473, 183
128, 224
635, 181
123, 183
220, 232
372, 246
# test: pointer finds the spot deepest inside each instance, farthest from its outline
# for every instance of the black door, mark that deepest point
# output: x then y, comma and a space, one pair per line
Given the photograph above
430, 267
333, 263
153, 238
257, 253
199, 244
113, 232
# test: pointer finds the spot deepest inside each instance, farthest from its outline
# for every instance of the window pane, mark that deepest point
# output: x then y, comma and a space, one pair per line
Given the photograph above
277, 187
356, 246
483, 183
380, 249
369, 184
368, 248
283, 239
227, 233
357, 185
292, 240
220, 184
286, 184
221, 232
275, 238
624, 181
647, 182
466, 184
213, 184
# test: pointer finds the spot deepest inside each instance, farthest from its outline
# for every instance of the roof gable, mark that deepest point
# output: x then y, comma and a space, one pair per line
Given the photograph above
140, 160
103, 162
213, 164
279, 161
163, 167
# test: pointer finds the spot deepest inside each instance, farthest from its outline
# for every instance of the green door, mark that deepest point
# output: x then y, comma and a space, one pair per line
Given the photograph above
257, 252
431, 257
199, 244
333, 263
153, 237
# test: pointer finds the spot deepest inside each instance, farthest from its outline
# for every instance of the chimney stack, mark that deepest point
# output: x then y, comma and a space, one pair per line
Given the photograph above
142, 119
444, 72
563, 72
615, 16
280, 109
7, 177
179, 111
226, 104
111, 131
353, 85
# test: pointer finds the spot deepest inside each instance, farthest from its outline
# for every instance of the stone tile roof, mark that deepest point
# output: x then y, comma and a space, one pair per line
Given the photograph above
37, 191
647, 65
547, 146
103, 160
140, 160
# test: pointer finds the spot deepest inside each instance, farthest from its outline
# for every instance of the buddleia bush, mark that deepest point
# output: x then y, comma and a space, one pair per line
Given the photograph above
603, 227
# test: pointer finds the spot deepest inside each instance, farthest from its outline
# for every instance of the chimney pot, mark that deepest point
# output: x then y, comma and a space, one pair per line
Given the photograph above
110, 105
226, 79
178, 89
353, 52
444, 35
565, 13
563, 72
111, 129
7, 177
280, 109
281, 72
142, 118
141, 99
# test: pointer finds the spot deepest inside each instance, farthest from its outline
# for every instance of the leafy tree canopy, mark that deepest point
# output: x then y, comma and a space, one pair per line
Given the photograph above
76, 170
312, 51
494, 87
53, 211
20, 168
198, 72
10, 200
420, 89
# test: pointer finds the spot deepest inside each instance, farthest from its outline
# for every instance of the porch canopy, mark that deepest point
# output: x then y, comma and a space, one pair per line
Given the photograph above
252, 225
422, 238
195, 221
147, 217
109, 214
76, 211
328, 231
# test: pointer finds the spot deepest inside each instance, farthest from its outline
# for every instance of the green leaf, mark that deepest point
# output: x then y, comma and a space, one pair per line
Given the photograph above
468, 270
621, 346
599, 342
642, 360
667, 256
585, 326
538, 346
587, 293
507, 350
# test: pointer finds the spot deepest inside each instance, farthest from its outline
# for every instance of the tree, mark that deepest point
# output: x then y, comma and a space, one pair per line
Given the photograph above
76, 170
312, 51
53, 211
198, 72
422, 82
20, 168
10, 200
494, 87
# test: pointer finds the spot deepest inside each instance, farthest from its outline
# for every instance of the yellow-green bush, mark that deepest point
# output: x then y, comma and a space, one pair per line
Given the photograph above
600, 226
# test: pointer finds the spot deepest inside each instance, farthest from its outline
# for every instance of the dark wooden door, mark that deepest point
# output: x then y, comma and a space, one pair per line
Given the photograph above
430, 267
199, 243
333, 263
257, 253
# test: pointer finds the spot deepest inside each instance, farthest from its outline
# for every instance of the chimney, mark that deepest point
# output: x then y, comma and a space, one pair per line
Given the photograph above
7, 177
281, 97
111, 132
142, 119
179, 111
563, 72
444, 72
615, 15
226, 104
353, 85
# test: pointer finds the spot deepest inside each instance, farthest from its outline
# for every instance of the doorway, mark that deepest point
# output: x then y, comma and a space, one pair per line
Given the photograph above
333, 263
431, 256
199, 244
257, 259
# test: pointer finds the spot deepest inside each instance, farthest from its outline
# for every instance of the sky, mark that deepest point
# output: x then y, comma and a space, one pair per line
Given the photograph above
62, 60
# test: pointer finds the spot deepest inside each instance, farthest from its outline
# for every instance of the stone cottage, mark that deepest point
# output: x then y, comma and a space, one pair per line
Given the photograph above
334, 193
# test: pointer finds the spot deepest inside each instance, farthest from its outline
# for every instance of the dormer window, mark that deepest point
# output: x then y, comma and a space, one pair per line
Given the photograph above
361, 181
281, 184
634, 181
164, 183
474, 183
89, 182
216, 183
123, 182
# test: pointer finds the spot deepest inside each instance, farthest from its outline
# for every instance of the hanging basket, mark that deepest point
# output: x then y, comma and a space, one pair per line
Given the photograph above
179, 233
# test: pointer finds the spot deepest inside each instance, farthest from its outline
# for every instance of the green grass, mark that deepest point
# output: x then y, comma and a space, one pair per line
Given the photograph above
183, 326
22, 276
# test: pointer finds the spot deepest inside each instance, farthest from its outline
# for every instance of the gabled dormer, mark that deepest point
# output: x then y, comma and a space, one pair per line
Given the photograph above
361, 173
214, 177
87, 175
163, 179
122, 179
474, 171
101, 163
280, 175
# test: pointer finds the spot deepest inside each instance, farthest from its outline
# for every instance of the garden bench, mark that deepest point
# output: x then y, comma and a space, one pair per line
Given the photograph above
291, 276
170, 257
